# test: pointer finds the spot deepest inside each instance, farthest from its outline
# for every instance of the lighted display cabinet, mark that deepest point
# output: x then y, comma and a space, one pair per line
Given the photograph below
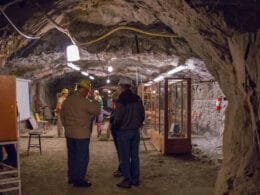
168, 104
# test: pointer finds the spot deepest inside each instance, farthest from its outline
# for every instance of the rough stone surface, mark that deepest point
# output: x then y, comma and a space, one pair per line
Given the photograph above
207, 122
205, 117
224, 35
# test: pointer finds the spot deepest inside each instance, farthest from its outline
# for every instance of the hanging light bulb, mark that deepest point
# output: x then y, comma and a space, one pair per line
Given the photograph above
109, 91
110, 69
108, 81
91, 77
72, 53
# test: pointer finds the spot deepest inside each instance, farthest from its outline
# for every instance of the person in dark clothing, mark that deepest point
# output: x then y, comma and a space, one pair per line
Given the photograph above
118, 172
11, 154
128, 118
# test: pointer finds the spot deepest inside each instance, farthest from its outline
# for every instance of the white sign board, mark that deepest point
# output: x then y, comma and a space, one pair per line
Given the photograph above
23, 99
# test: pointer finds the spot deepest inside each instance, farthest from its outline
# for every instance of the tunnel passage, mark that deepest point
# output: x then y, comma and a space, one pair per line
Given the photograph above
223, 35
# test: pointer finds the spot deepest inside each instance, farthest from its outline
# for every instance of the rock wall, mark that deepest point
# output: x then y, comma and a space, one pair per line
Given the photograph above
40, 100
228, 41
205, 118
240, 173
232, 57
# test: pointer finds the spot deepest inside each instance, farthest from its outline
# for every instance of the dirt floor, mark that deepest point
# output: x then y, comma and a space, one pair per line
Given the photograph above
177, 175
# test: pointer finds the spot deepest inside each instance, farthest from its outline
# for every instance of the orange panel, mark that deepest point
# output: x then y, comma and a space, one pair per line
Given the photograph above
8, 124
157, 140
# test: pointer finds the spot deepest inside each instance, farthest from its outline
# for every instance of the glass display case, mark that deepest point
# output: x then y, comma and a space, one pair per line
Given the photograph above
149, 97
171, 100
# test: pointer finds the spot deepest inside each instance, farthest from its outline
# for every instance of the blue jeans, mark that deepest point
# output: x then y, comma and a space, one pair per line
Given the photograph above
78, 158
114, 135
128, 145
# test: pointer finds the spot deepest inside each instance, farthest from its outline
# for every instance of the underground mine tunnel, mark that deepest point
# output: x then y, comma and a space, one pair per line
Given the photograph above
194, 64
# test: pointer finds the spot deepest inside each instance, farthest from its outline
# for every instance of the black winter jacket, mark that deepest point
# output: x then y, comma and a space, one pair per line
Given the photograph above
129, 112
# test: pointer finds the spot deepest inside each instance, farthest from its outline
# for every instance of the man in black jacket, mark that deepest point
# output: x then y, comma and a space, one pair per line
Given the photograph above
128, 118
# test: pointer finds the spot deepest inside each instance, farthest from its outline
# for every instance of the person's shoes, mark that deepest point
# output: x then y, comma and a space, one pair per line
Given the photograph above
117, 174
124, 184
82, 183
135, 182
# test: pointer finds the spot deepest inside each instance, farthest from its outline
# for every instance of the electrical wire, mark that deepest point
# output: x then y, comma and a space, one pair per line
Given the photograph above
132, 29
56, 25
65, 31
13, 25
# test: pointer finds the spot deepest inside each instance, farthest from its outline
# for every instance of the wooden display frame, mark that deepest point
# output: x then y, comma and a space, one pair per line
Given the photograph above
8, 113
10, 178
160, 132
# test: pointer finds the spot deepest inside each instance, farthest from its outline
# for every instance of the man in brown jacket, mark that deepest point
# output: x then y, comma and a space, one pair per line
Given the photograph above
76, 115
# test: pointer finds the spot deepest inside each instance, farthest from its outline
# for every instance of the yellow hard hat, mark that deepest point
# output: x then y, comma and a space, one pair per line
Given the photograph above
65, 91
115, 95
85, 84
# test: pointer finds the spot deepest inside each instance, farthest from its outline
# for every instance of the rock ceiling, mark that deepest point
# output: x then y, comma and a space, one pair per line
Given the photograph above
129, 52
221, 35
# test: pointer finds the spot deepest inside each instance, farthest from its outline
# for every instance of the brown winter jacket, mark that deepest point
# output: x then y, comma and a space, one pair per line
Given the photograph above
76, 115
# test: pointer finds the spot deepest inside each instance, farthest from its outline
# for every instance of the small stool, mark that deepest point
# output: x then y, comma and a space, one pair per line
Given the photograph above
34, 134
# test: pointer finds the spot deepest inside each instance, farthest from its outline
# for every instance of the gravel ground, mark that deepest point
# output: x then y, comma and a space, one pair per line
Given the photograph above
177, 175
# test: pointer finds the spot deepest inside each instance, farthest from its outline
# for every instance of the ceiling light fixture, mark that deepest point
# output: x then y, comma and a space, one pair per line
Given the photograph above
108, 81
72, 52
73, 66
159, 78
189, 66
91, 77
110, 69
148, 83
84, 73
177, 69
